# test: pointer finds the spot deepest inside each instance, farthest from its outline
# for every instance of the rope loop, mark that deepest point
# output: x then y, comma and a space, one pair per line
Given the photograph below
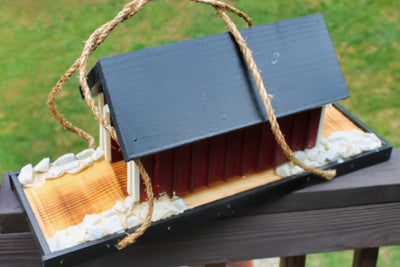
101, 34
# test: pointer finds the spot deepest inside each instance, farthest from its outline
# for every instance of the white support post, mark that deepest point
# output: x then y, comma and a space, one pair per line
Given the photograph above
100, 104
133, 183
105, 141
321, 122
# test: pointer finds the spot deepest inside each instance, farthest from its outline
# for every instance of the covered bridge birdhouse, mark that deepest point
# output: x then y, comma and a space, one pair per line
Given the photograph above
191, 110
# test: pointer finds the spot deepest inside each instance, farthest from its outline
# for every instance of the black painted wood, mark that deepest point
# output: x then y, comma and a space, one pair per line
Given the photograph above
170, 95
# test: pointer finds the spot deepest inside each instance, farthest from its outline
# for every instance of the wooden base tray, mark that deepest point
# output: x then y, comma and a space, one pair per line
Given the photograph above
64, 202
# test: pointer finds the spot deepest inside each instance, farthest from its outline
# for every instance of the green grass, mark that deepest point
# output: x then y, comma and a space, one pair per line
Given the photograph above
40, 39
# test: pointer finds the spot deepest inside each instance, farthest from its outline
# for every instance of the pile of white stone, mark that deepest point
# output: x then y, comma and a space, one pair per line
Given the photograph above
122, 216
30, 176
338, 146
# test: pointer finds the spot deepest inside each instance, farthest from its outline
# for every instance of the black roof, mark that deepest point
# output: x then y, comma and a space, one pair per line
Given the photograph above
170, 95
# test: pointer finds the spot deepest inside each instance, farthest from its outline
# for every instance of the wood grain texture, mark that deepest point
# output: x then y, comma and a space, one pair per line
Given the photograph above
19, 249
269, 232
63, 202
268, 235
334, 120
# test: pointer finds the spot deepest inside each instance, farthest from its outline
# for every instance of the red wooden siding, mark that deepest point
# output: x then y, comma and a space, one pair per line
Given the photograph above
217, 151
267, 148
233, 161
182, 168
236, 153
251, 146
312, 129
199, 170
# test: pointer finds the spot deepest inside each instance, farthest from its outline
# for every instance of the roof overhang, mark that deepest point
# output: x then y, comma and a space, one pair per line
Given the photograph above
170, 95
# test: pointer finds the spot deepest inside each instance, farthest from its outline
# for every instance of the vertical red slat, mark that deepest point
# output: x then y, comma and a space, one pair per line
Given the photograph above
217, 154
166, 172
234, 152
182, 168
156, 179
313, 126
267, 147
148, 163
299, 131
251, 143
199, 172
286, 125
116, 153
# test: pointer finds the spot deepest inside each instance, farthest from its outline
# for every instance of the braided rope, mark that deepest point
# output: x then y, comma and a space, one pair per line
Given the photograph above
247, 54
98, 37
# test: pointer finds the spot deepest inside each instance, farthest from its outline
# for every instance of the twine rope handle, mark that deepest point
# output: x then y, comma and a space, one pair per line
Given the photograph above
98, 37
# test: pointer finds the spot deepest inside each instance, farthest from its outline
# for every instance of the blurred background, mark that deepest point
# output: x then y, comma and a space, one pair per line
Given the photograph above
39, 40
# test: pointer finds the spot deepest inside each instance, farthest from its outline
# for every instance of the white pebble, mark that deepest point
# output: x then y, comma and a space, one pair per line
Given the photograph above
161, 210
332, 155
112, 224
76, 233
132, 221
339, 145
119, 207
43, 165
296, 169
180, 204
98, 154
65, 240
91, 219
85, 153
26, 174
72, 165
129, 202
61, 233
312, 154
87, 162
300, 155
53, 244
109, 213
64, 159
55, 172
95, 232
77, 170
283, 170
370, 142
